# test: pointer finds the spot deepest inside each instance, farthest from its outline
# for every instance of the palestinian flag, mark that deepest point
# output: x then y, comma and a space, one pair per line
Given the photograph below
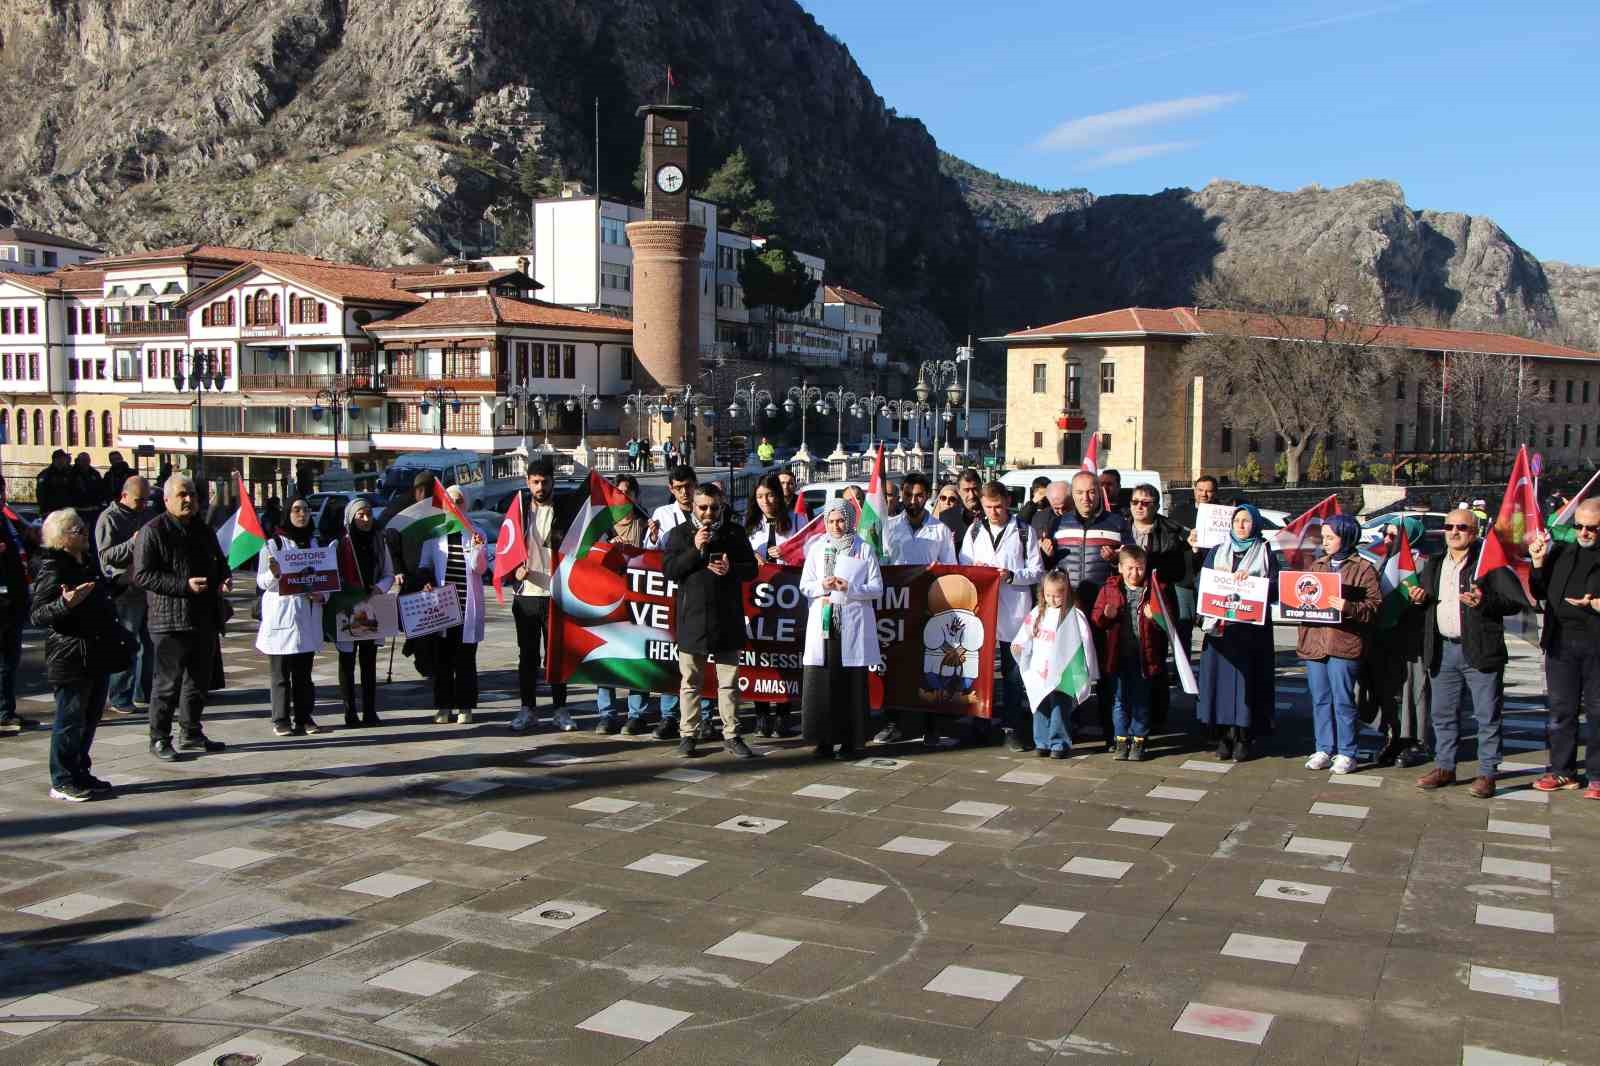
1163, 618
1396, 579
869, 524
1072, 660
425, 520
1299, 540
1505, 543
241, 536
1560, 523
603, 509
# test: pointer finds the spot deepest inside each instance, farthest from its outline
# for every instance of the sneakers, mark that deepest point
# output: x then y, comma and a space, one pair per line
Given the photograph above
1122, 749
667, 730
708, 730
686, 748
1556, 783
1592, 792
162, 749
282, 730
1224, 749
352, 720
1483, 787
636, 727
889, 734
1343, 764
442, 717
97, 785
1319, 761
1061, 753
1415, 756
463, 718
120, 712
12, 724
201, 742
1043, 753
608, 727
736, 747
563, 720
1136, 750
69, 793
1436, 778
312, 728
1014, 741
522, 721
370, 719
1241, 751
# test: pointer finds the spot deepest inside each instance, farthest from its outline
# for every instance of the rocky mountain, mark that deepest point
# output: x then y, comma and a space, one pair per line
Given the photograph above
394, 130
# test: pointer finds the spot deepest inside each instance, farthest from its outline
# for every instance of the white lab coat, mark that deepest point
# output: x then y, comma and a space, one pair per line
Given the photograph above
1018, 552
670, 516
290, 624
858, 621
432, 561
905, 546
758, 538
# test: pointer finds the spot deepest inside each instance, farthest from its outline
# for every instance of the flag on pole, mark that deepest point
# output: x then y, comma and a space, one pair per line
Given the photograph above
1163, 618
1298, 539
1560, 523
801, 511
510, 547
1091, 465
1505, 543
1070, 666
869, 525
241, 536
1396, 578
792, 552
424, 520
603, 508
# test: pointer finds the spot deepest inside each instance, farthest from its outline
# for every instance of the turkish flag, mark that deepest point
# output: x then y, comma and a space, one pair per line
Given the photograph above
1505, 543
510, 547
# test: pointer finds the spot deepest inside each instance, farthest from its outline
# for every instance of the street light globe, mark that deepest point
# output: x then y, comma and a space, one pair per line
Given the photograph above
822, 408
788, 405
667, 412
948, 417
922, 392
733, 410
594, 404
627, 407
316, 411
571, 405
424, 406
772, 410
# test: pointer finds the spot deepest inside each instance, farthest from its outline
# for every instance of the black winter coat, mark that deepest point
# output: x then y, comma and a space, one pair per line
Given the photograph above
1483, 631
1171, 558
167, 554
72, 629
709, 609
1568, 571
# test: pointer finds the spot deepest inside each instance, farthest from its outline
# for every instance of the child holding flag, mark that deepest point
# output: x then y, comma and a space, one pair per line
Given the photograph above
1035, 652
1136, 649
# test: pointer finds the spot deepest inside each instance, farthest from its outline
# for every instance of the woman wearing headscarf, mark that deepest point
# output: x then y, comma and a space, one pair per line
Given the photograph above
1236, 659
456, 560
770, 522
291, 628
841, 579
367, 569
1392, 690
1332, 653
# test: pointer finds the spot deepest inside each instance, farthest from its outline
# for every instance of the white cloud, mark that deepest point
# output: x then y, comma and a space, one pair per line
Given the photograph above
1093, 131
1117, 157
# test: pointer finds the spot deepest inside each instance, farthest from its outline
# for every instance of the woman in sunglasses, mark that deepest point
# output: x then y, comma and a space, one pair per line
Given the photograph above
947, 498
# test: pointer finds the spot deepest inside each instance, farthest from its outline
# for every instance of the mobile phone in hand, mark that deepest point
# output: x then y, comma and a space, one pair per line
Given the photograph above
718, 557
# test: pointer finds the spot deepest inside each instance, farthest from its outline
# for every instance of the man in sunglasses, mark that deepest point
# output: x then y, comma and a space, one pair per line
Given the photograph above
1464, 647
1566, 576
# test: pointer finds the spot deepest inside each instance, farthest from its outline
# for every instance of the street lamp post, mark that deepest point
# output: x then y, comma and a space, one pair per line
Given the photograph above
1133, 420
900, 412
936, 376
754, 401
802, 396
871, 406
837, 401
438, 396
583, 403
205, 372
339, 400
964, 355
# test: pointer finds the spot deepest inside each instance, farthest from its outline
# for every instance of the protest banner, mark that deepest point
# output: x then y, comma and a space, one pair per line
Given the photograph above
1307, 596
375, 618
422, 613
308, 570
1231, 598
1213, 523
612, 624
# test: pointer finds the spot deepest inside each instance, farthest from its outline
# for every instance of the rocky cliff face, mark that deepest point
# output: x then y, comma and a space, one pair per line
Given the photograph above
388, 131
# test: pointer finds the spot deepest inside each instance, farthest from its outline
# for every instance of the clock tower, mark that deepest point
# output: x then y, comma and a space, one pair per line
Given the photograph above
667, 249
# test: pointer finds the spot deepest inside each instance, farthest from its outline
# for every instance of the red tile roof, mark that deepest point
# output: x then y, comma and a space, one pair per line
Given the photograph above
40, 283
217, 252
337, 280
838, 294
1194, 322
473, 279
76, 279
499, 311
33, 236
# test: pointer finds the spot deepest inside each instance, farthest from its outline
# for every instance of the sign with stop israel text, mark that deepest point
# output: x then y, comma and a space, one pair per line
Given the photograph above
612, 624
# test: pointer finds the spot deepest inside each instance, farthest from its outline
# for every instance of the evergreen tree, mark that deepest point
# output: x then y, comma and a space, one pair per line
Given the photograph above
733, 189
774, 278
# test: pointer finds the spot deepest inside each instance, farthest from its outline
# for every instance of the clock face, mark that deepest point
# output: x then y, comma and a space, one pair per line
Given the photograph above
669, 178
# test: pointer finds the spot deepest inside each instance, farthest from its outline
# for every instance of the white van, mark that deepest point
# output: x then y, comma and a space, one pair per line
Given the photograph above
1017, 481
484, 479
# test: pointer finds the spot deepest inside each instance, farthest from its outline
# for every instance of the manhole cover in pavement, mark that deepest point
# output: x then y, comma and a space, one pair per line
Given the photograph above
236, 1058
750, 823
1298, 892
882, 764
554, 914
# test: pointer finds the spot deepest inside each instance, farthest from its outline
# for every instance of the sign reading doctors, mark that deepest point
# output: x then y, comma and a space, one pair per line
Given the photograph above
308, 570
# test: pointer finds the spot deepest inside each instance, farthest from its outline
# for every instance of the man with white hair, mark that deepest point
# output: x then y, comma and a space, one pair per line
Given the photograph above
178, 562
1566, 576
113, 540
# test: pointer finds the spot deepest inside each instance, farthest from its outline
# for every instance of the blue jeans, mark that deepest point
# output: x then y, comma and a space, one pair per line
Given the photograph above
78, 710
1333, 704
1050, 723
10, 661
1130, 697
605, 698
134, 682
1012, 709
669, 707
1454, 681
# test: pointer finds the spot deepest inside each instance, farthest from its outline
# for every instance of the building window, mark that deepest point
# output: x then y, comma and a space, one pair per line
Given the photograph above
1038, 440
38, 427
569, 360
1041, 377
1400, 388
612, 231
613, 276
1585, 392
33, 320
72, 321
536, 361
1566, 434
105, 429
1551, 396
127, 365
1550, 430
29, 258
1399, 437
669, 135
50, 259
33, 368
1074, 386
55, 429
1583, 436
1227, 440
22, 427
627, 364
88, 429
1108, 378
1569, 390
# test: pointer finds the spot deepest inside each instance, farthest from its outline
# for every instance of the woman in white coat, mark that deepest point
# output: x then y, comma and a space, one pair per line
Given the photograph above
1012, 547
291, 628
457, 560
841, 579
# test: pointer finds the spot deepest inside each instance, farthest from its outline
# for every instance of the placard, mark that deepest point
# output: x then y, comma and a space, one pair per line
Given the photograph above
423, 613
375, 618
1306, 596
1233, 599
308, 570
1213, 524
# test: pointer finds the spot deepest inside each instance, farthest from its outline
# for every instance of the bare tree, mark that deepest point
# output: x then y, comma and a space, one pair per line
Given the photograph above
1486, 400
1299, 351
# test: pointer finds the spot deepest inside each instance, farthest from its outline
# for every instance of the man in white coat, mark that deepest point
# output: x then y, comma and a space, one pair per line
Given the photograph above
1009, 545
914, 537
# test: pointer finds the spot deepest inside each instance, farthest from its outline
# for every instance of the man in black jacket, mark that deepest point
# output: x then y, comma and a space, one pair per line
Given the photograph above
1464, 647
1567, 578
13, 614
709, 558
959, 518
55, 486
177, 560
113, 540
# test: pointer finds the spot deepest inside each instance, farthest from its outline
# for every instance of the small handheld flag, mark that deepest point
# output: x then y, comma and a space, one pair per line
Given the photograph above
510, 547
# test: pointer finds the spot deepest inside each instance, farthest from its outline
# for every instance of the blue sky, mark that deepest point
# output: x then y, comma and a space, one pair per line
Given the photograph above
1486, 107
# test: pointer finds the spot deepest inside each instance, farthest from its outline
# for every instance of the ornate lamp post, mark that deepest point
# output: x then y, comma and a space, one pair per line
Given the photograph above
339, 400
802, 396
753, 400
872, 406
438, 396
900, 412
836, 402
582, 403
205, 372
940, 379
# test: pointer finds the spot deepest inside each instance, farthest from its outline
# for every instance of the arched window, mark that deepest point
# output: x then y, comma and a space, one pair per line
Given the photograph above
72, 429
22, 426
38, 426
105, 430
88, 429
55, 429
274, 319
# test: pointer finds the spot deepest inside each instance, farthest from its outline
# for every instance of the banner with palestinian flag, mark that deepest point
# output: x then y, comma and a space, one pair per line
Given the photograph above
1162, 612
1299, 539
425, 520
1396, 578
1070, 667
1505, 542
241, 536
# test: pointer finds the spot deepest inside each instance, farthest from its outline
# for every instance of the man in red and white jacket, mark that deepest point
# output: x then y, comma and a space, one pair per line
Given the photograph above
1007, 544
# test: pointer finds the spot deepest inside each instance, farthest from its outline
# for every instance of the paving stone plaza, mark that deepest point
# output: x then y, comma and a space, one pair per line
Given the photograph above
471, 896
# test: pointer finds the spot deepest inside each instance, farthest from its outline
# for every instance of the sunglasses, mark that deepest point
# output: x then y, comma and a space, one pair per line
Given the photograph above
1581, 528
1143, 503
1458, 527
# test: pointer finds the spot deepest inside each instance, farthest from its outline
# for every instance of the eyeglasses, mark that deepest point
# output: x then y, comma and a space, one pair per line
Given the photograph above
947, 499
1581, 528
1458, 527
1142, 503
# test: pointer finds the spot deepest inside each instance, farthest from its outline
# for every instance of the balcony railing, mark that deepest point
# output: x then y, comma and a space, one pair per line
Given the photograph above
149, 327
495, 384
303, 382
